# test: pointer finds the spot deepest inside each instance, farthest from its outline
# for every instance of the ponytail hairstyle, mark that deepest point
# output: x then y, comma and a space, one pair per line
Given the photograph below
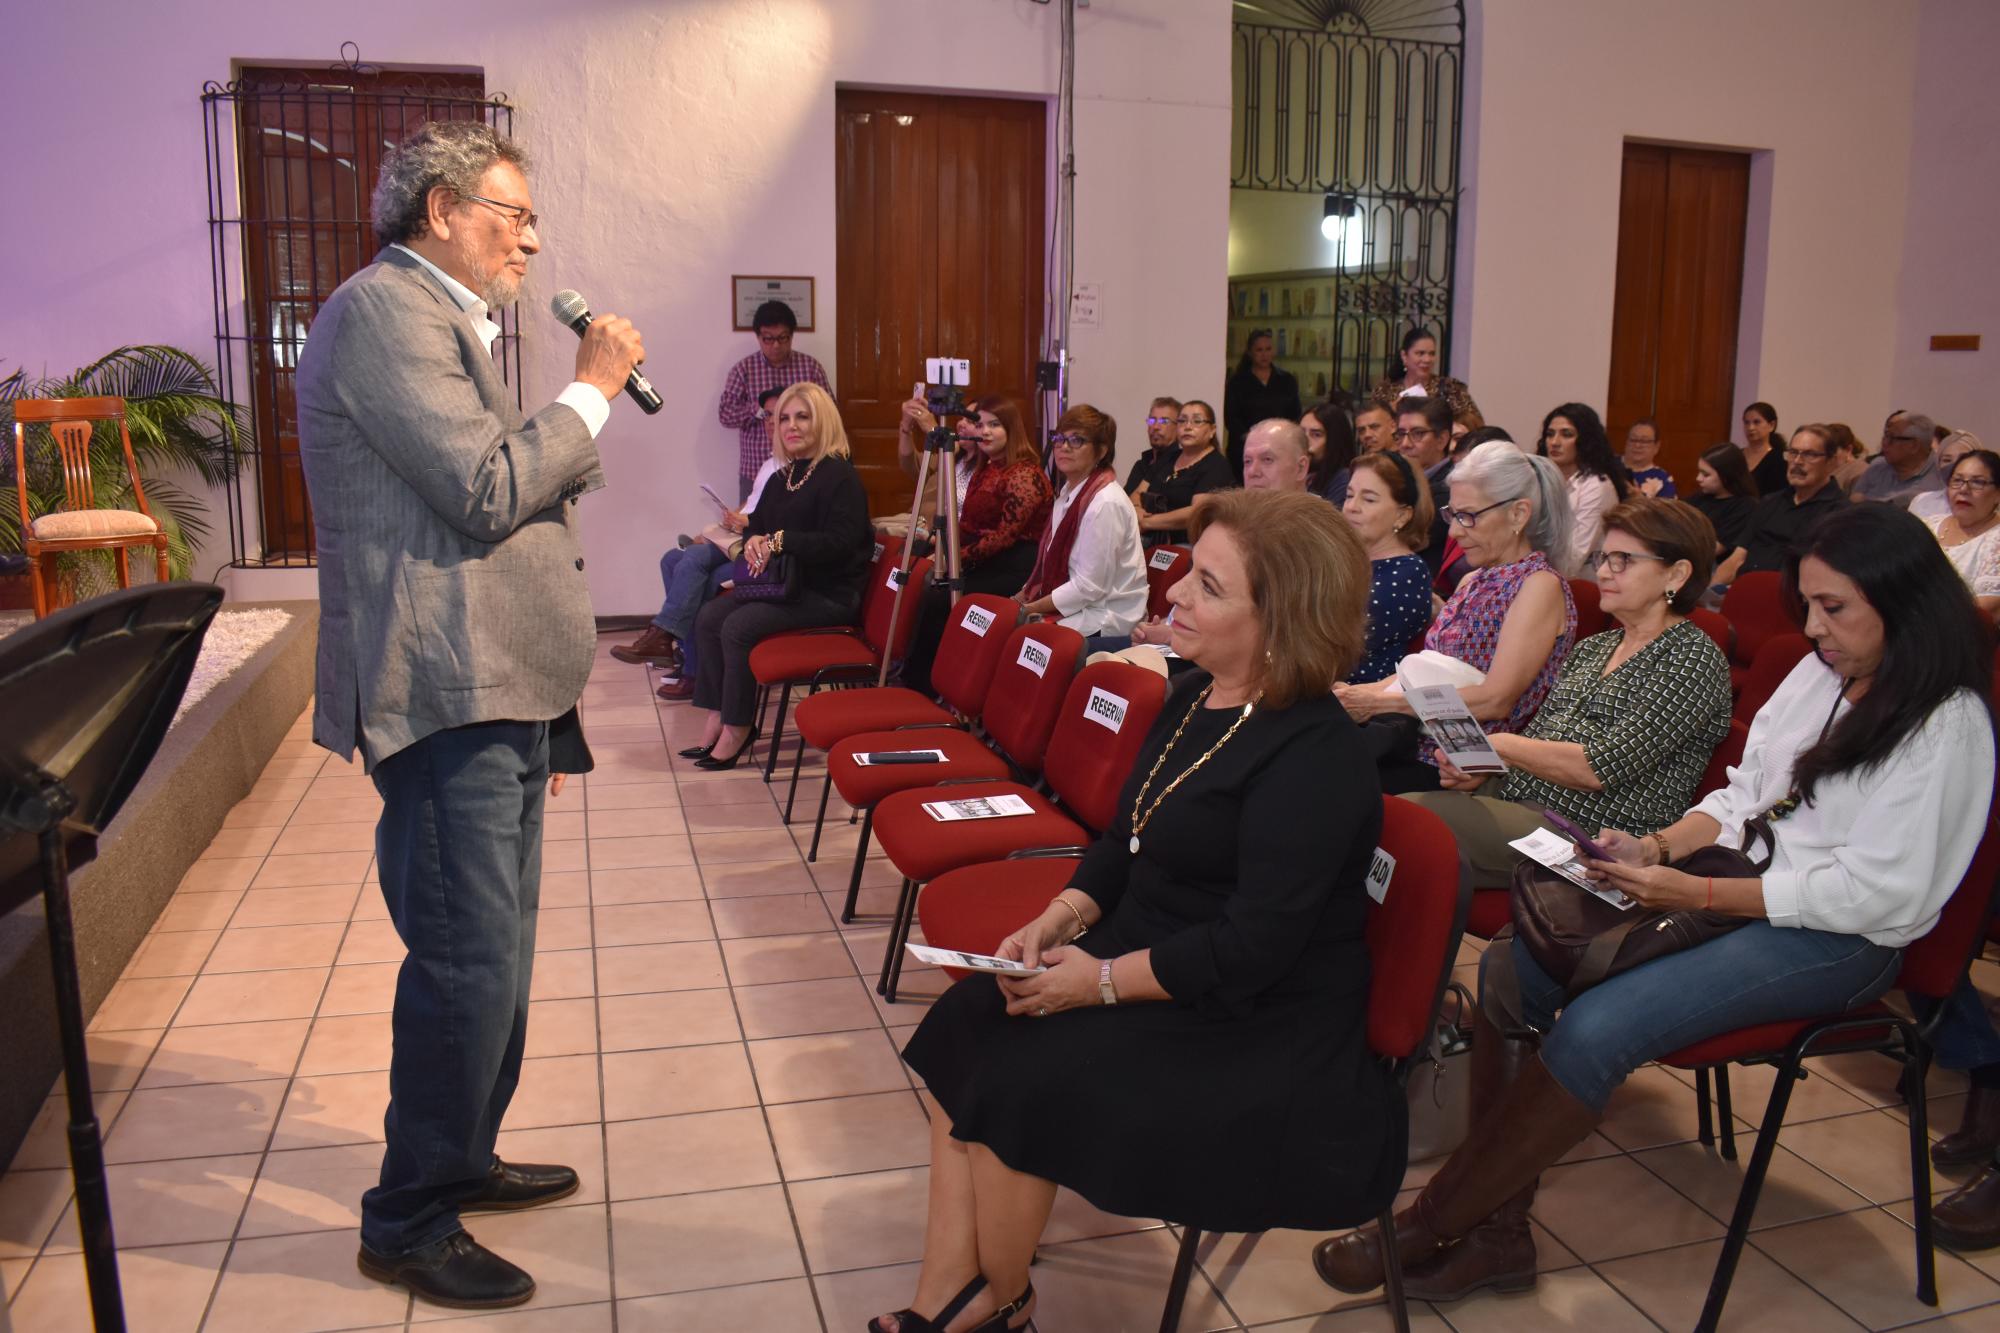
1934, 640
1505, 474
1593, 446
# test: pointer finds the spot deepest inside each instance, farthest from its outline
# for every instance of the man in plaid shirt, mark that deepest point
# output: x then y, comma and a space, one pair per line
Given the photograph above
774, 365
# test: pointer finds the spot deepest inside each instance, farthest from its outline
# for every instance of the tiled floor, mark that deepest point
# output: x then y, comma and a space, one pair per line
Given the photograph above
707, 1049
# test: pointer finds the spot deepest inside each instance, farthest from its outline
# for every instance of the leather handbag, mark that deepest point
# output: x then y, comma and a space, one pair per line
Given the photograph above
1440, 1089
1580, 940
778, 583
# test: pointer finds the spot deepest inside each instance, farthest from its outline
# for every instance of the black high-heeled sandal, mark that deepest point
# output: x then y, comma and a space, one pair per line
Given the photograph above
997, 1322
697, 752
715, 765
909, 1321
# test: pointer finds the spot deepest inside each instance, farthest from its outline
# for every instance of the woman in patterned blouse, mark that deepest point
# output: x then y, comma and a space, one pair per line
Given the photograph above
1513, 617
1624, 737
1420, 362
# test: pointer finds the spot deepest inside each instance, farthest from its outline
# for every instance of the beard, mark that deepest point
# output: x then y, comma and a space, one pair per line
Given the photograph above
498, 289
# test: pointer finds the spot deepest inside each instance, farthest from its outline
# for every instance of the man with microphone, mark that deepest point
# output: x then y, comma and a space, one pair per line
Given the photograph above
455, 634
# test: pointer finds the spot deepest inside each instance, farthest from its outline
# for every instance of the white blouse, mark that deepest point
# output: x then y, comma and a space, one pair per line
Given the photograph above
1106, 591
1977, 561
1878, 851
1591, 497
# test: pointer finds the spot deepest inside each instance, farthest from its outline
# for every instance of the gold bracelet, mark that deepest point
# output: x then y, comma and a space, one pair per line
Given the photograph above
778, 542
1080, 927
1660, 841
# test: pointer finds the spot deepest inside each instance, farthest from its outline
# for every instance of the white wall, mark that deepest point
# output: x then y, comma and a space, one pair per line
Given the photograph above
677, 143
1951, 280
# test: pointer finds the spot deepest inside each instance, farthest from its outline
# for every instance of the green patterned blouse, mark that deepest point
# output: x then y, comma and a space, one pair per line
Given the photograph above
1648, 729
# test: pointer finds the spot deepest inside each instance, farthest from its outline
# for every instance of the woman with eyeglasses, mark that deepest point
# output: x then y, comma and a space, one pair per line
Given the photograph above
1419, 378
1168, 500
1573, 438
1936, 504
1627, 730
1259, 390
1970, 533
1089, 568
1512, 617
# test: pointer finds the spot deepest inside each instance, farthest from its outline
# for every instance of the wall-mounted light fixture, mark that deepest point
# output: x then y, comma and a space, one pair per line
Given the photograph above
1342, 212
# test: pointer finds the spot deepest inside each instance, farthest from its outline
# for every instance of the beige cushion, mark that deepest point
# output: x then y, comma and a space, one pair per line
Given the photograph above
93, 523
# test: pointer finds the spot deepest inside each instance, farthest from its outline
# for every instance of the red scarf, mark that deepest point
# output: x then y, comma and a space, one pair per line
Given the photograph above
1052, 561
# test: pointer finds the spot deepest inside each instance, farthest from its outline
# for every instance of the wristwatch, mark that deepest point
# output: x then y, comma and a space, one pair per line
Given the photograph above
1105, 990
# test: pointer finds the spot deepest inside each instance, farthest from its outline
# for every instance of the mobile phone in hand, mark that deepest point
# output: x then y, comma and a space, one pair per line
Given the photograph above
1583, 841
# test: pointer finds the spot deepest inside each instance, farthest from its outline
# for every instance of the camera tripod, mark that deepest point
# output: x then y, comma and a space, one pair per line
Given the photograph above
939, 443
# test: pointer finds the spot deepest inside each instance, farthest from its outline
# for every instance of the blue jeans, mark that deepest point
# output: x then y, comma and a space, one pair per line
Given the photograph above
688, 576
1757, 974
460, 850
1965, 1039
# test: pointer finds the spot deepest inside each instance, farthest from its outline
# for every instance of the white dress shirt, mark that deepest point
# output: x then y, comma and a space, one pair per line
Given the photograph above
1878, 851
1106, 591
583, 399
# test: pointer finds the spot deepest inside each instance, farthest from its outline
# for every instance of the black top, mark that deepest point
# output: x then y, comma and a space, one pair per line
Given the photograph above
1246, 401
1729, 513
1770, 474
825, 522
1254, 1081
1173, 490
1151, 465
1777, 522
1439, 478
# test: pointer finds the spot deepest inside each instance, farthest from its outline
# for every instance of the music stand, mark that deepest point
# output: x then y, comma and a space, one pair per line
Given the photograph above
86, 696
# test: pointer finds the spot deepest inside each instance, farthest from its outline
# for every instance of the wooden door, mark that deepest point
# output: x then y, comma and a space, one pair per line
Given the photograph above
1681, 218
939, 234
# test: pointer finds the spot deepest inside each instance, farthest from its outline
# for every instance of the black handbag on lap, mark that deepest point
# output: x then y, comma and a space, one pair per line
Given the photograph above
778, 583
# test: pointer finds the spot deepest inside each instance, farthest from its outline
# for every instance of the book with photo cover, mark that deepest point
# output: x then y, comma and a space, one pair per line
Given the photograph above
1451, 724
977, 807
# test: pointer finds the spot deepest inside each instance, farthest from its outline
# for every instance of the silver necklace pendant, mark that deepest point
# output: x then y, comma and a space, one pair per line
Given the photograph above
1134, 844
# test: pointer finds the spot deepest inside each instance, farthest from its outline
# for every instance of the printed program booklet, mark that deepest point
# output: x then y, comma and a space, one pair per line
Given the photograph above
977, 962
1561, 855
977, 807
1458, 734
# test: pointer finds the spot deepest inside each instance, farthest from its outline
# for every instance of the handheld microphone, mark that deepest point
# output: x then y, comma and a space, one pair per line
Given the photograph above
573, 310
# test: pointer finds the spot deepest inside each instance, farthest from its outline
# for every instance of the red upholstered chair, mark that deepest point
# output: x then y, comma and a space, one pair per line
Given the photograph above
1165, 566
1105, 717
1590, 617
1716, 626
966, 658
1932, 968
1413, 935
1029, 685
1774, 661
1755, 606
1727, 756
841, 653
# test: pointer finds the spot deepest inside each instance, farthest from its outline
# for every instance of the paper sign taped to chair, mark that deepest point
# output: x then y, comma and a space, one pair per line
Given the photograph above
1163, 557
879, 548
1034, 656
977, 621
895, 579
1380, 870
1106, 709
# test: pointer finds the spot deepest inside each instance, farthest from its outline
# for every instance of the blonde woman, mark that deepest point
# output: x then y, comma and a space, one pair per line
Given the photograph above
813, 513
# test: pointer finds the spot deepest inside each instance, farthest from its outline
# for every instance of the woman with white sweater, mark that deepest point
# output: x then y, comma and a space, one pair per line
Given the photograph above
1090, 569
1573, 439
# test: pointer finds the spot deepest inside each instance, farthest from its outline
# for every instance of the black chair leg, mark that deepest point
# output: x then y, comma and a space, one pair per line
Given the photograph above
1704, 1123
763, 707
1170, 1318
798, 762
899, 932
1392, 1270
777, 731
1725, 1112
1915, 1068
819, 824
1746, 1198
860, 859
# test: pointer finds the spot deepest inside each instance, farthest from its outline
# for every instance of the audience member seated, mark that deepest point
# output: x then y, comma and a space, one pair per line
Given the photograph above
916, 424
1970, 534
1513, 617
1390, 508
1167, 502
1420, 379
1868, 773
1635, 713
1259, 390
813, 513
1954, 446
1642, 449
1573, 439
1089, 568
1789, 515
1330, 437
1452, 565
1374, 428
1725, 495
1423, 434
1225, 909
1907, 465
1163, 426
1850, 456
1763, 448
1276, 457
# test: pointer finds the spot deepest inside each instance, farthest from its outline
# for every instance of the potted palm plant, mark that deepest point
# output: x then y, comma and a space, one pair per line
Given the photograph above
179, 425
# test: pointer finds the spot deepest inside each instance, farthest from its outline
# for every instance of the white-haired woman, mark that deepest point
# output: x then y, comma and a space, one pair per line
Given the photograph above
1512, 617
814, 512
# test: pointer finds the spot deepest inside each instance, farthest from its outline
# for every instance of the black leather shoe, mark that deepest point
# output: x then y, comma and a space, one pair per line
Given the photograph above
519, 1185
457, 1272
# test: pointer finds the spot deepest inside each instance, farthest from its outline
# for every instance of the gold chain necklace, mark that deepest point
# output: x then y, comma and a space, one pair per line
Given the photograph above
790, 485
1139, 821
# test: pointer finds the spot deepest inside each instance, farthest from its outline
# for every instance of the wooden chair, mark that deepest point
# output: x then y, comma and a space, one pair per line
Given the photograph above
79, 525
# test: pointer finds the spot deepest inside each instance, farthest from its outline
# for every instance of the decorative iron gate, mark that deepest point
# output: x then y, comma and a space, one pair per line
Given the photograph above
1359, 102
293, 155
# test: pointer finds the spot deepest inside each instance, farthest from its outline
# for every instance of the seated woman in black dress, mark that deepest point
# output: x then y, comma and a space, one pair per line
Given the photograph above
1199, 1053
1166, 502
813, 511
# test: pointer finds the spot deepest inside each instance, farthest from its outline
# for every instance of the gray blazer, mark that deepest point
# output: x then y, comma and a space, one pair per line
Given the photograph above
451, 587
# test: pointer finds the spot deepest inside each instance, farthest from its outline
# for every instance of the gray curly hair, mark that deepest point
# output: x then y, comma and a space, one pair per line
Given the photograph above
453, 153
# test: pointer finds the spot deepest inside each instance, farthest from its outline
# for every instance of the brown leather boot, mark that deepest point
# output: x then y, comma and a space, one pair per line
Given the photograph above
1978, 1132
1969, 1217
655, 647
